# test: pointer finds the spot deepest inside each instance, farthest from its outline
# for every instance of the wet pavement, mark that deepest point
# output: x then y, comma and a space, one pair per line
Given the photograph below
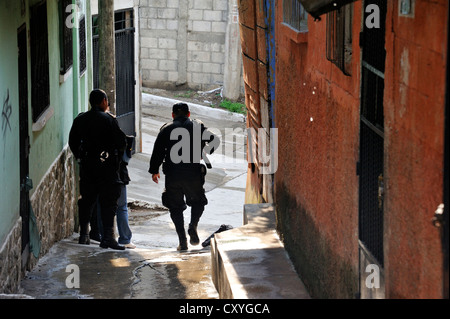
140, 273
155, 269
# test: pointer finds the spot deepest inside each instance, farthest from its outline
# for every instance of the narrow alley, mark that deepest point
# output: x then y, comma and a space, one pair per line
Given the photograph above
155, 269
332, 177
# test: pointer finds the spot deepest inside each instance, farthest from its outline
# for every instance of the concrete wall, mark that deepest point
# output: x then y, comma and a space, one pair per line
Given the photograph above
183, 43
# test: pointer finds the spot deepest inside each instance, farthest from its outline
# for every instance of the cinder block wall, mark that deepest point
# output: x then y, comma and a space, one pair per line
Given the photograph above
183, 43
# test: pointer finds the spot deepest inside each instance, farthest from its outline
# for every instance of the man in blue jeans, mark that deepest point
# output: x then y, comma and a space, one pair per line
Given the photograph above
123, 227
122, 207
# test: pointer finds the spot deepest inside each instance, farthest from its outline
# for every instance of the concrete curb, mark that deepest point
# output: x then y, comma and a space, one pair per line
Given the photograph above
250, 262
218, 114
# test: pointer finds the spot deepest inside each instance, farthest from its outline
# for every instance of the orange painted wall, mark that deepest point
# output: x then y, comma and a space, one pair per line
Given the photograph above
414, 145
317, 113
316, 186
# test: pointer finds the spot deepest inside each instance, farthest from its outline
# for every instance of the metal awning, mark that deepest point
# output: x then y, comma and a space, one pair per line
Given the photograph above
318, 7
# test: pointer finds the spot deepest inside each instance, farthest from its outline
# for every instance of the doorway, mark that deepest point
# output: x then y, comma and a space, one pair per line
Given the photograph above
125, 74
24, 142
371, 161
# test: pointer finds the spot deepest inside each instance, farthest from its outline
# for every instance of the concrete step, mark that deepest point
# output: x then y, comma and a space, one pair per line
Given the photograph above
250, 262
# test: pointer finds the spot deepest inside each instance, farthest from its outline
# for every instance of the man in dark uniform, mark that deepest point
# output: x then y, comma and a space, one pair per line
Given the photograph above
181, 145
98, 143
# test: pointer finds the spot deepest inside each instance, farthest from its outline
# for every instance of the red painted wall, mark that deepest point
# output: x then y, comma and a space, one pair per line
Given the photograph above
317, 113
316, 186
414, 145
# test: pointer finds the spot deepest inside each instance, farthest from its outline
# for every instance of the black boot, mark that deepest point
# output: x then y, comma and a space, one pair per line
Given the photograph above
178, 221
95, 236
108, 240
196, 213
192, 231
183, 246
84, 235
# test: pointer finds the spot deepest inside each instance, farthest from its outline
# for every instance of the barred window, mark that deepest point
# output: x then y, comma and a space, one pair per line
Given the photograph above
40, 83
82, 36
339, 37
65, 36
295, 15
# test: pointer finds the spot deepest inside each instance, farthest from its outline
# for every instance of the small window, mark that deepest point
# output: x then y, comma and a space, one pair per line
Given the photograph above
82, 36
40, 82
339, 37
295, 15
65, 36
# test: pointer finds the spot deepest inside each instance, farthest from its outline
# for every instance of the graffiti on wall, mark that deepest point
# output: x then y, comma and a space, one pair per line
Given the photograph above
6, 114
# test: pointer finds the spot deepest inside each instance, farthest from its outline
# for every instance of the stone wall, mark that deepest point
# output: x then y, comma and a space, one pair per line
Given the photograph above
183, 43
54, 203
10, 260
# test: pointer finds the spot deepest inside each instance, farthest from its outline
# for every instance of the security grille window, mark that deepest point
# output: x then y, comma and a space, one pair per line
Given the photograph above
295, 15
65, 36
123, 20
82, 36
40, 84
339, 37
372, 190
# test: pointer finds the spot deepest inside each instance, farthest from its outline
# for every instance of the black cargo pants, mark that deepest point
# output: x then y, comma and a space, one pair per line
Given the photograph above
181, 185
107, 195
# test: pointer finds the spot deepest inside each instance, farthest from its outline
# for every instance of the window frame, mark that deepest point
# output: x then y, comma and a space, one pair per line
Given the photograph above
40, 73
65, 37
339, 40
83, 43
295, 15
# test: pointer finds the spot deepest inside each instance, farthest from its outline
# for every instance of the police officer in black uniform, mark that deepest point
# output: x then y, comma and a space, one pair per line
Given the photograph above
98, 143
181, 145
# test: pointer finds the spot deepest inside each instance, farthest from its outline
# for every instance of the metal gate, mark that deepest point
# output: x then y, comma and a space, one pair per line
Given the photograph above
125, 74
371, 172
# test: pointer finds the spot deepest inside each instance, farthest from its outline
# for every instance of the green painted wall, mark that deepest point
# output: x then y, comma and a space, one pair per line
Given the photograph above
67, 99
48, 143
10, 21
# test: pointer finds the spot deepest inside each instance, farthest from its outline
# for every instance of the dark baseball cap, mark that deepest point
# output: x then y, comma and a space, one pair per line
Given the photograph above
183, 107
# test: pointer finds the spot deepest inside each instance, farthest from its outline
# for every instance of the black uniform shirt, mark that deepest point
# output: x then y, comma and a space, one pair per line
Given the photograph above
98, 143
181, 145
